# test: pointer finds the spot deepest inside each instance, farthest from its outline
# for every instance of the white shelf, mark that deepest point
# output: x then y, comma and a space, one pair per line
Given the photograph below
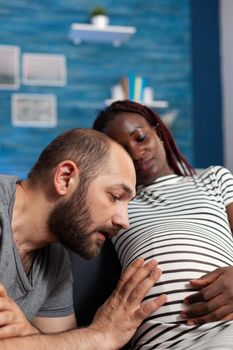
155, 104
107, 34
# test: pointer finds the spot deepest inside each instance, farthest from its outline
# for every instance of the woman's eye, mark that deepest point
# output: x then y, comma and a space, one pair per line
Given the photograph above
141, 138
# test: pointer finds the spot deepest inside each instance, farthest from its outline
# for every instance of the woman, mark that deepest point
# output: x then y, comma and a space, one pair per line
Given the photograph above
185, 222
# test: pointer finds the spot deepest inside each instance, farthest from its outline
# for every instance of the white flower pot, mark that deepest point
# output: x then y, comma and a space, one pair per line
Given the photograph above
100, 21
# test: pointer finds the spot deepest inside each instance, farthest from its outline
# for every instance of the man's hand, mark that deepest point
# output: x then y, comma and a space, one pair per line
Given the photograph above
123, 312
114, 323
13, 323
214, 301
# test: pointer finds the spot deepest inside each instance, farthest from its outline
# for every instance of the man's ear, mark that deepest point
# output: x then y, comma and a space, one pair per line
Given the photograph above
66, 177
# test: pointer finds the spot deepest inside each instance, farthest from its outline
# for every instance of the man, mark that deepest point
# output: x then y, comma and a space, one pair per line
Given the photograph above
76, 194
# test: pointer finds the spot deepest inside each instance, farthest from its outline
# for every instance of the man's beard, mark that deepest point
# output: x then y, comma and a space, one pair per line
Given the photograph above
71, 223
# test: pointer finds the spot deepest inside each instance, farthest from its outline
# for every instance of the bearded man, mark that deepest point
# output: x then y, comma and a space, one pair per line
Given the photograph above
75, 196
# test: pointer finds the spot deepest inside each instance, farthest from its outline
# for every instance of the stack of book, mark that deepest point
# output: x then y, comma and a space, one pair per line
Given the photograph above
135, 88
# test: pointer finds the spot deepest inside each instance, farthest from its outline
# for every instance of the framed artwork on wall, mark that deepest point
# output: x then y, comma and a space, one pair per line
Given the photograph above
9, 67
34, 110
44, 69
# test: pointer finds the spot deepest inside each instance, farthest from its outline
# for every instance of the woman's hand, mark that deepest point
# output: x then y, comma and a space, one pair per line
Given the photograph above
214, 301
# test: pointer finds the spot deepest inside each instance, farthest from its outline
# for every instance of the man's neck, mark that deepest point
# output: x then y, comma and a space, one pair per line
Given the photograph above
29, 223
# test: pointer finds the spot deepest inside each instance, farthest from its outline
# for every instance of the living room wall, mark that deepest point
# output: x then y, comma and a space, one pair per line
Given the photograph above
159, 51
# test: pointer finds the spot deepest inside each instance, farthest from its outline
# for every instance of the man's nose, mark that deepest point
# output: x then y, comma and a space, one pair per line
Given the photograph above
121, 218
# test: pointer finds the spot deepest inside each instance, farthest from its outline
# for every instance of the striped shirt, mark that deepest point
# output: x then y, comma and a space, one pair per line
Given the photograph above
182, 222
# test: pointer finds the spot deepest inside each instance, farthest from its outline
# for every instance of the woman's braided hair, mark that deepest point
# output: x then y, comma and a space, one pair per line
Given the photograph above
175, 159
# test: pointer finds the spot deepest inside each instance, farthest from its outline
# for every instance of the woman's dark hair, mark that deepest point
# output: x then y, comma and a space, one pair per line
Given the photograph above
175, 159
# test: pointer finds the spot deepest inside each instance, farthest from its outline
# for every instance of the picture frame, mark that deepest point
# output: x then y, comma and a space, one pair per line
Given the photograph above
34, 110
44, 69
9, 67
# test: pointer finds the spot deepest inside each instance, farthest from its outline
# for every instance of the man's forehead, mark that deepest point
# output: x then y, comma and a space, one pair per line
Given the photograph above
119, 154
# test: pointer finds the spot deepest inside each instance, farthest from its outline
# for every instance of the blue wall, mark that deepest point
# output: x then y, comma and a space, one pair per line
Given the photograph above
207, 106
160, 51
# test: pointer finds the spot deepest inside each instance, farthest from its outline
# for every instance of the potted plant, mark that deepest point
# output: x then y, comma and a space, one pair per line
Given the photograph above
99, 16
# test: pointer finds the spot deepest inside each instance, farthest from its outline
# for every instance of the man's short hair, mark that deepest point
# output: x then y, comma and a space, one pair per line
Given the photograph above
88, 148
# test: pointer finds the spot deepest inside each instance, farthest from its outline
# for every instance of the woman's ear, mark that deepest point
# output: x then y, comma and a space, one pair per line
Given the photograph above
66, 177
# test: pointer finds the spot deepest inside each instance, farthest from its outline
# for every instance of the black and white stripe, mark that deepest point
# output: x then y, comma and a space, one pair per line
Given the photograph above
182, 222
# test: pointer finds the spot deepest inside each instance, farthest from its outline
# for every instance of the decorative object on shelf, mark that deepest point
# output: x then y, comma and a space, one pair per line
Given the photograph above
99, 17
34, 110
9, 67
135, 88
99, 30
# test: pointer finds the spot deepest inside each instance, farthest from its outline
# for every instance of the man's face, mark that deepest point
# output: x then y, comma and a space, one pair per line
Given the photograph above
98, 210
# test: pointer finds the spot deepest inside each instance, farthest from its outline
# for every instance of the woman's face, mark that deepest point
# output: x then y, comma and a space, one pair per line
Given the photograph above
141, 141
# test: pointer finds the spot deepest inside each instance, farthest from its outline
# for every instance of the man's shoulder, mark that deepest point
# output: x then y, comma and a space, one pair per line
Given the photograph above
7, 178
7, 191
7, 182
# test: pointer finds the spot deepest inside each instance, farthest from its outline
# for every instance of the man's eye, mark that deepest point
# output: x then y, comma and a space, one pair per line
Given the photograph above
114, 197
